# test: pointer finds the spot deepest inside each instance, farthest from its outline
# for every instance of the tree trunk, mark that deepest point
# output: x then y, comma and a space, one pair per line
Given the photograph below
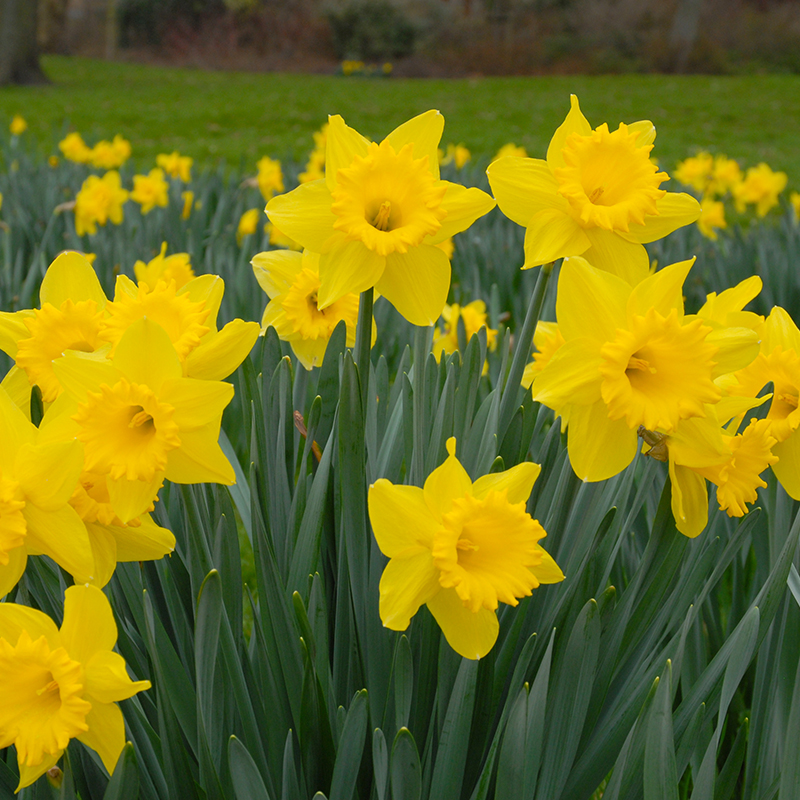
685, 28
19, 49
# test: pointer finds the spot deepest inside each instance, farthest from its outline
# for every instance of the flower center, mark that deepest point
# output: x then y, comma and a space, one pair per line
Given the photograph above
388, 200
127, 431
179, 316
92, 502
41, 703
308, 321
13, 527
608, 181
53, 331
485, 549
658, 372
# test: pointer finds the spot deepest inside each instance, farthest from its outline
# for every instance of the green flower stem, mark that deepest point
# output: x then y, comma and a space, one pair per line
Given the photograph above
364, 343
422, 346
512, 391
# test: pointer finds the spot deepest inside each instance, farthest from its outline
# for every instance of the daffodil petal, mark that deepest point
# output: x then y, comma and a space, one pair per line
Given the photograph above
199, 459
31, 774
406, 584
71, 277
10, 574
219, 355
447, 482
732, 300
89, 625
304, 214
48, 473
590, 302
15, 430
611, 253
275, 316
780, 330
196, 402
104, 552
400, 517
552, 234
309, 352
646, 131
675, 209
208, 290
518, 481
424, 132
13, 328
787, 468
524, 187
348, 267
18, 388
276, 270
129, 499
144, 542
106, 734
342, 145
737, 347
571, 375
107, 678
547, 571
61, 535
575, 122
16, 618
663, 290
145, 355
599, 448
689, 500
471, 634
79, 373
463, 206
416, 283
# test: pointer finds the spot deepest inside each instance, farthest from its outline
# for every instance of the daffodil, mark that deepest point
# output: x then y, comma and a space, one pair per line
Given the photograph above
726, 175
461, 548
150, 190
73, 148
291, 281
270, 177
175, 267
188, 201
456, 154
712, 218
794, 200
279, 238
70, 318
98, 201
61, 684
140, 420
597, 195
188, 316
315, 167
511, 149
37, 479
377, 216
110, 155
175, 165
473, 315
696, 171
18, 125
761, 186
629, 358
248, 224
547, 339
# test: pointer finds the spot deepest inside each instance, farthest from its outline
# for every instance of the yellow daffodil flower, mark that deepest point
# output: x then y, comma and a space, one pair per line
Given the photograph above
188, 201
73, 148
140, 420
596, 195
315, 168
60, 684
445, 341
164, 268
37, 479
712, 218
110, 155
70, 318
378, 215
629, 359
150, 190
511, 149
248, 224
456, 154
291, 281
461, 548
98, 201
794, 199
175, 165
270, 177
279, 238
696, 171
727, 174
18, 125
761, 186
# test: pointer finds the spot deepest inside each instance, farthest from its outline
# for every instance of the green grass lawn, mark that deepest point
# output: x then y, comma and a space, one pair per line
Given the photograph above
210, 115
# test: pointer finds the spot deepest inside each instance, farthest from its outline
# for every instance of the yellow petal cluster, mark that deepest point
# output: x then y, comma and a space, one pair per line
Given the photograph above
150, 190
461, 548
175, 165
99, 201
